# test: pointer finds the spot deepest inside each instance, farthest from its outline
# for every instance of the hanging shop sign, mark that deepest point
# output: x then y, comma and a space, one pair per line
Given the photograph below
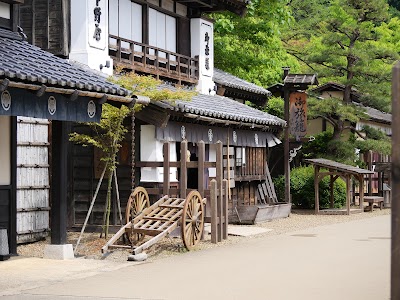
298, 114
97, 23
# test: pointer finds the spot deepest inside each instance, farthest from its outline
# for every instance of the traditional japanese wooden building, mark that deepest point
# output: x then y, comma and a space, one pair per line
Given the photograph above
37, 84
172, 41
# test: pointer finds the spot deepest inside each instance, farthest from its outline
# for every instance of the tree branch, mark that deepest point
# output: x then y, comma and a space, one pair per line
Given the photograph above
355, 130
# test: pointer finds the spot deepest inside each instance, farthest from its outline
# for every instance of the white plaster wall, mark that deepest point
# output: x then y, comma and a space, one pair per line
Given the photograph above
5, 151
198, 28
84, 48
152, 150
212, 157
5, 11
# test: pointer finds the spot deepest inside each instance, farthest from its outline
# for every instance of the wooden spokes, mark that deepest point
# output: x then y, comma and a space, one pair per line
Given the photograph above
137, 202
192, 220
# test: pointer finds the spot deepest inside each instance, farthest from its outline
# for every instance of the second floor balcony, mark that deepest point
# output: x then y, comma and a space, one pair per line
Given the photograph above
146, 59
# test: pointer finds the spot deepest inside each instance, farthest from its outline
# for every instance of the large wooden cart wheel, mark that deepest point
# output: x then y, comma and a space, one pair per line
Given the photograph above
137, 202
192, 220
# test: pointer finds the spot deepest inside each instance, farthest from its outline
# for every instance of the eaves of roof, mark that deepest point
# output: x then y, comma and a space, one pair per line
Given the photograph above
228, 80
24, 63
223, 108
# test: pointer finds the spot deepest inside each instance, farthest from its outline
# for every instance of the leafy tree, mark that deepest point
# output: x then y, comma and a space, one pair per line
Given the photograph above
250, 47
349, 42
110, 132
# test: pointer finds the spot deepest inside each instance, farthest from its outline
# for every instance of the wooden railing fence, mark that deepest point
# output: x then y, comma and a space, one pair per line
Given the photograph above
153, 60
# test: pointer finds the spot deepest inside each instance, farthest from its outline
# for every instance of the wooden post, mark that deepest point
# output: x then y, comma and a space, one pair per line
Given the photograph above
59, 182
12, 233
361, 196
316, 188
166, 183
183, 179
220, 175
331, 188
395, 269
348, 182
200, 169
225, 186
214, 215
370, 175
286, 163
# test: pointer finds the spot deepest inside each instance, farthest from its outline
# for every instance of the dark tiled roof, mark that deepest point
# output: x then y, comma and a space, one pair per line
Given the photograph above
219, 107
334, 86
229, 80
23, 62
378, 115
309, 79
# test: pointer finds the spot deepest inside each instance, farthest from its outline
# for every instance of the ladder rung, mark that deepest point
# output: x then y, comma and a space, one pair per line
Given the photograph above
156, 219
171, 206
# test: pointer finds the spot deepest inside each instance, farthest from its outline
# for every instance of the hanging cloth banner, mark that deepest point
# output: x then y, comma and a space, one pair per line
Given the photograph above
298, 114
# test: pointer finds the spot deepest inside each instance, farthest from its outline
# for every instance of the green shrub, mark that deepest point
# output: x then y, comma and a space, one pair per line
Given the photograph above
302, 189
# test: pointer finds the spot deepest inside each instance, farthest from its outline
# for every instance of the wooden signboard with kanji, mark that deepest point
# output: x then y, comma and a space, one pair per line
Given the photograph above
298, 114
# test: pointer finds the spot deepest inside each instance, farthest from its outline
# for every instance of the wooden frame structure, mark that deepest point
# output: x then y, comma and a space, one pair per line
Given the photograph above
336, 170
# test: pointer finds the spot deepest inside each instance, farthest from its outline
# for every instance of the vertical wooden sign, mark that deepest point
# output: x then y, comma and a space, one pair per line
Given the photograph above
298, 114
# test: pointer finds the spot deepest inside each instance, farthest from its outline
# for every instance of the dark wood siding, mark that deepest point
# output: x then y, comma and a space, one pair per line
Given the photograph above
84, 180
46, 23
183, 36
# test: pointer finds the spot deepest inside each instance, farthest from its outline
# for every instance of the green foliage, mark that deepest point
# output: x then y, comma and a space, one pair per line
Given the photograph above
349, 42
275, 107
302, 189
376, 141
149, 86
333, 109
373, 133
250, 47
108, 134
317, 147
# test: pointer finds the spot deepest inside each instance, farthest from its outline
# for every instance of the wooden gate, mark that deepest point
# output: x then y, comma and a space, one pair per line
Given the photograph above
32, 179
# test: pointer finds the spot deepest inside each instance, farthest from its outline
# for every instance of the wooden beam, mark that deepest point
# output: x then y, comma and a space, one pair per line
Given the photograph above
219, 187
166, 183
395, 268
59, 183
348, 183
361, 197
200, 170
183, 171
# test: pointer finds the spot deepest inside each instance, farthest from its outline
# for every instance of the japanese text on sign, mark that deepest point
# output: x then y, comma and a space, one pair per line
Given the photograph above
298, 114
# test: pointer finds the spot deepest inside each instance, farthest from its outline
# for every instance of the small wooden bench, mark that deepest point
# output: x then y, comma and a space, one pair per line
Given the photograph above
373, 199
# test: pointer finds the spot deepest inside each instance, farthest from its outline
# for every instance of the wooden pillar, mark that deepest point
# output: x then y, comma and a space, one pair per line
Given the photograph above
286, 163
12, 233
214, 214
59, 182
183, 177
348, 182
395, 268
200, 168
166, 183
220, 174
225, 187
370, 175
331, 185
361, 197
316, 188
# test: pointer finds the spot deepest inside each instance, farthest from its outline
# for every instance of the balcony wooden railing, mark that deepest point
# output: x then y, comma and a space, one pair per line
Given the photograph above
152, 60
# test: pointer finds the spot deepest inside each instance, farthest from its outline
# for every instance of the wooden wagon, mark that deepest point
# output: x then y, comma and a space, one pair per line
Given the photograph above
160, 219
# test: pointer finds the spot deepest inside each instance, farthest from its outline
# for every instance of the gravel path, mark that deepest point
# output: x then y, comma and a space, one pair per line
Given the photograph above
91, 244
